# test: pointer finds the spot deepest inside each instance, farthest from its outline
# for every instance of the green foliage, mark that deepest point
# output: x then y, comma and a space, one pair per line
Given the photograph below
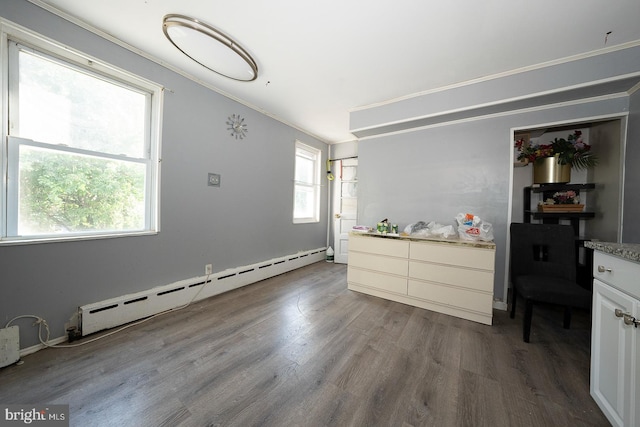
71, 193
574, 152
571, 151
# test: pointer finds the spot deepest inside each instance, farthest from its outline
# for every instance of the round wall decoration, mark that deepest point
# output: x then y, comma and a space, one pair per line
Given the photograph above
237, 126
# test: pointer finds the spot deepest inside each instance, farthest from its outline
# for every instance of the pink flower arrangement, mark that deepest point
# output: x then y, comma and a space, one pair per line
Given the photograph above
569, 197
572, 151
566, 197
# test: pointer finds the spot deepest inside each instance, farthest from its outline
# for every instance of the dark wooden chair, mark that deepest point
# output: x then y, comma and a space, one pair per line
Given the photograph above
543, 270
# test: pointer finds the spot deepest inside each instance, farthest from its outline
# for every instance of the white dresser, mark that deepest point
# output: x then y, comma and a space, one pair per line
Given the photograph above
451, 277
615, 335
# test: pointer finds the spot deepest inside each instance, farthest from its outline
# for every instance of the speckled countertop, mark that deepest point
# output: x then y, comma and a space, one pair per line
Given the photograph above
404, 236
630, 251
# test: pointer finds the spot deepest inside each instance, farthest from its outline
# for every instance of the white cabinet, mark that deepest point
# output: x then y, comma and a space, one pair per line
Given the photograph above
451, 277
615, 345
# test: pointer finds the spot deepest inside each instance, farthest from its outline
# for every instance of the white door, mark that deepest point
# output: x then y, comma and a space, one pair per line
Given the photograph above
345, 204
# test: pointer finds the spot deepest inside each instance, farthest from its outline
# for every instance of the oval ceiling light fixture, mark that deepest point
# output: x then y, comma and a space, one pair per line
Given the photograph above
209, 47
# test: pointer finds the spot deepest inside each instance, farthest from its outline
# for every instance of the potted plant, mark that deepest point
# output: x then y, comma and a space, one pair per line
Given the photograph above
552, 162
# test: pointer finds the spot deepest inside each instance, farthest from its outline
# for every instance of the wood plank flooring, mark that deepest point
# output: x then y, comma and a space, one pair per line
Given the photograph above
302, 350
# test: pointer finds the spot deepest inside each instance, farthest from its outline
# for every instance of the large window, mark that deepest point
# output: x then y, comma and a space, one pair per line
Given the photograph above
306, 195
82, 146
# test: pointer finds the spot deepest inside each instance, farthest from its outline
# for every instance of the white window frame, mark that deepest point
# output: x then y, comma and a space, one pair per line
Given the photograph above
314, 154
10, 32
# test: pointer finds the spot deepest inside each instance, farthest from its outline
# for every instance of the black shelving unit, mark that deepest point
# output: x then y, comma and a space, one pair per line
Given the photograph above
584, 271
554, 217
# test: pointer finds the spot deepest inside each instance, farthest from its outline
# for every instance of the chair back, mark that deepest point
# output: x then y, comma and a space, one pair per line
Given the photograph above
543, 250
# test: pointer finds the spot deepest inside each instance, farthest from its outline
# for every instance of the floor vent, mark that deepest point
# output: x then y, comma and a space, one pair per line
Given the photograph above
136, 300
128, 308
171, 291
101, 309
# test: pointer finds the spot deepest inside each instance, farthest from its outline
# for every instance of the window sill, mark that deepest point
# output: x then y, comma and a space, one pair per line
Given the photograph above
59, 239
305, 221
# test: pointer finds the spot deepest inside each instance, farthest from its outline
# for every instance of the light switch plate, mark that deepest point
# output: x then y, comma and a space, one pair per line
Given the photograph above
9, 346
213, 180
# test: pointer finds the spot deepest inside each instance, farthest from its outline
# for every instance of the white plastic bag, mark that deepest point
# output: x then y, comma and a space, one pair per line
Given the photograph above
471, 227
431, 229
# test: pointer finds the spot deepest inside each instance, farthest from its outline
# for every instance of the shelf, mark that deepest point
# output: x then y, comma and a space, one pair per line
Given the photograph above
546, 191
561, 208
539, 188
566, 215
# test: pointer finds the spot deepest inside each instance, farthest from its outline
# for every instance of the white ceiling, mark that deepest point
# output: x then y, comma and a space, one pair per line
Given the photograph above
319, 60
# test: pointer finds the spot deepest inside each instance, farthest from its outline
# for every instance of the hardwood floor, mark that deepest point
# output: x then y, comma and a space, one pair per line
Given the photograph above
302, 350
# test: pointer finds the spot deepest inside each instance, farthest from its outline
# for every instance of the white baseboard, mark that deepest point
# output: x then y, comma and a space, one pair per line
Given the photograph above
38, 347
128, 308
500, 305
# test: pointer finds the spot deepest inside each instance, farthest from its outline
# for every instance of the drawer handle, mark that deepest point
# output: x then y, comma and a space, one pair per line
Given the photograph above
630, 320
602, 269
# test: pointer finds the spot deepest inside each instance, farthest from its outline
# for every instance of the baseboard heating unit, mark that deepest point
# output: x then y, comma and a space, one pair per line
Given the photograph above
128, 308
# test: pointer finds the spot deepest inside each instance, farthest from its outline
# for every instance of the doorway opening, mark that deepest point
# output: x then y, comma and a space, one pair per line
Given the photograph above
345, 205
606, 137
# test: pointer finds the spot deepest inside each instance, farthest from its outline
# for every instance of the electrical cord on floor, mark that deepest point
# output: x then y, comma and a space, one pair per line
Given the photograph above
42, 322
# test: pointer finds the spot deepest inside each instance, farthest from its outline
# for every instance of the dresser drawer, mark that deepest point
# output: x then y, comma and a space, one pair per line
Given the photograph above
617, 272
480, 280
444, 253
454, 297
383, 282
379, 246
379, 263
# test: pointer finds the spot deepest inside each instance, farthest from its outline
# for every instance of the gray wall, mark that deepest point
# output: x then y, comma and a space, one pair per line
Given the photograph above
606, 200
631, 209
247, 220
432, 174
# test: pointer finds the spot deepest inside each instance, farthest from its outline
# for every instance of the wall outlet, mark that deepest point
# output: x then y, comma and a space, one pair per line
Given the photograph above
208, 269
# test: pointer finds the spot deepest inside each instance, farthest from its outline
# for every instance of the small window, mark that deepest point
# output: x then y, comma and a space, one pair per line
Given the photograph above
306, 195
81, 157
